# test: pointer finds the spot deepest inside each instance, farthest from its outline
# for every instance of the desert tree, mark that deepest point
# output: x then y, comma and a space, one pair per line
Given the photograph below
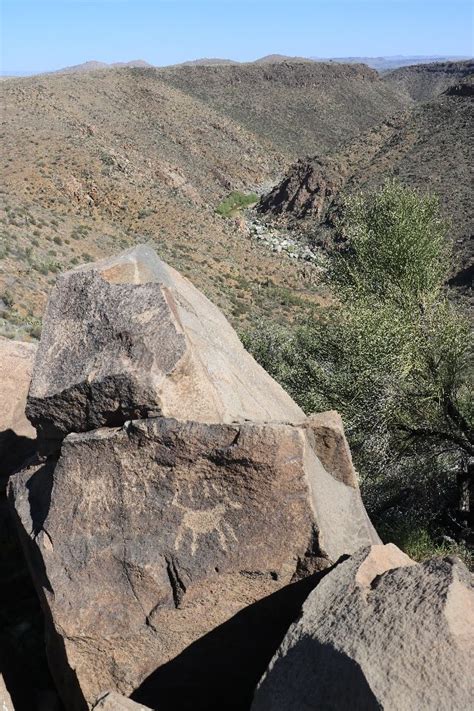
393, 354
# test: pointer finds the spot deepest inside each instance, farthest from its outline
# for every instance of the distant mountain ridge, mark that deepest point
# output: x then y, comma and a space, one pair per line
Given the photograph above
205, 61
380, 64
92, 66
277, 58
389, 63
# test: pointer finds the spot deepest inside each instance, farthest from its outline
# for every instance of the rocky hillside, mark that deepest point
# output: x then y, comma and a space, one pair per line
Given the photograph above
425, 81
95, 161
428, 147
298, 107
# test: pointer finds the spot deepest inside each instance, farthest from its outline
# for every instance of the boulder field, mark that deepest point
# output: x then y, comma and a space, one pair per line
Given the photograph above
182, 507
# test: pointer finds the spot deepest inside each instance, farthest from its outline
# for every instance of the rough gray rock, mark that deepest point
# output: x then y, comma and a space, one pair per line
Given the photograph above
146, 541
129, 336
378, 632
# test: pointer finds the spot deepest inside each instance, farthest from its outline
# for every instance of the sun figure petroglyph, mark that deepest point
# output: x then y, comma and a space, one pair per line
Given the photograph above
203, 522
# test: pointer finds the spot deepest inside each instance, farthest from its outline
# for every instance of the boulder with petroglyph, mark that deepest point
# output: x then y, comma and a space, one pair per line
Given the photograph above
148, 541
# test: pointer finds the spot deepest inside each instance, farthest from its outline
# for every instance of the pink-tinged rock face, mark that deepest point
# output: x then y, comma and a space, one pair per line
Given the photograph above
16, 366
111, 701
17, 436
5, 699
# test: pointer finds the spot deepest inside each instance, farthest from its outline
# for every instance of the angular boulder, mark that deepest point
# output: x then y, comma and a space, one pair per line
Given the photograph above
16, 433
378, 632
128, 337
148, 542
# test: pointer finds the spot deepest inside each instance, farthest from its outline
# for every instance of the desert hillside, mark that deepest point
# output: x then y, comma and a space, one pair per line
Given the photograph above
97, 161
427, 147
299, 107
425, 81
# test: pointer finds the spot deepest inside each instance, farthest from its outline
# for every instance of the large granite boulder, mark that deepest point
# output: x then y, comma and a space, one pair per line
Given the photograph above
146, 541
17, 435
378, 632
128, 337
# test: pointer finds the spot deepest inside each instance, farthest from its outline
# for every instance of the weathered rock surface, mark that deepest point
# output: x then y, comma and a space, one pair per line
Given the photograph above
115, 702
147, 540
378, 632
129, 336
16, 433
331, 446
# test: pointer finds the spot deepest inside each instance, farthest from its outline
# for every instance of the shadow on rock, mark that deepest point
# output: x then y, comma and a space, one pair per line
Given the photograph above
22, 644
222, 668
319, 672
14, 451
40, 486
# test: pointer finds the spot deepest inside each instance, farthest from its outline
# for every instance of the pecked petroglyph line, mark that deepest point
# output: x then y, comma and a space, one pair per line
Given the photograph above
204, 522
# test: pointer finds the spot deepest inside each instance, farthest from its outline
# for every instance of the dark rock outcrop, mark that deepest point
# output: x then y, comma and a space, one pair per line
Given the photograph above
378, 632
307, 190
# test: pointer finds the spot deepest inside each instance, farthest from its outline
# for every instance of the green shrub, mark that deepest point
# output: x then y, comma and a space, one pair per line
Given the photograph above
394, 356
7, 298
419, 543
235, 201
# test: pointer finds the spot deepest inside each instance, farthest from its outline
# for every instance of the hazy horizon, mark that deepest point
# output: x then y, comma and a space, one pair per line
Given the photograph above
47, 36
13, 73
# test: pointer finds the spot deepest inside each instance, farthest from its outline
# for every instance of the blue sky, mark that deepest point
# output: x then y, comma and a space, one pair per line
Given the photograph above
39, 35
